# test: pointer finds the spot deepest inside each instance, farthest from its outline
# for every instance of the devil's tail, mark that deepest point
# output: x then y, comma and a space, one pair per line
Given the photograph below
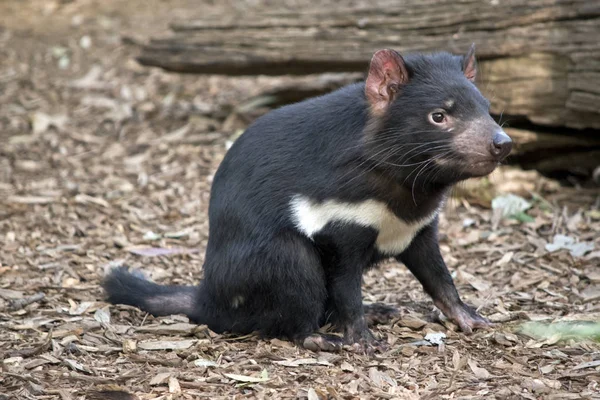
123, 287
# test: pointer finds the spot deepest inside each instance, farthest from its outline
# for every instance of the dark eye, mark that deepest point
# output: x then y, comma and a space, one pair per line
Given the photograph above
437, 117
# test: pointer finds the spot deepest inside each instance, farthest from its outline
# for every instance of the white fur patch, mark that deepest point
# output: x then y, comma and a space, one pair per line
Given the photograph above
394, 234
237, 301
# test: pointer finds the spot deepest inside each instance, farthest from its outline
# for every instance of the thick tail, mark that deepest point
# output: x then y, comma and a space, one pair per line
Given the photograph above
123, 287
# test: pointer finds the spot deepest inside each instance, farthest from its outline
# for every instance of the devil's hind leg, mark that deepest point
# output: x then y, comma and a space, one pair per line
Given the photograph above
275, 286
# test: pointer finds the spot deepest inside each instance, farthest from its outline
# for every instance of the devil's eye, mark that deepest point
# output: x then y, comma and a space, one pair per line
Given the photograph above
437, 117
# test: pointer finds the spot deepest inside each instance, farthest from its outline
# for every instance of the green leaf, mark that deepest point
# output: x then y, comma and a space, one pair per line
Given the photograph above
563, 330
523, 217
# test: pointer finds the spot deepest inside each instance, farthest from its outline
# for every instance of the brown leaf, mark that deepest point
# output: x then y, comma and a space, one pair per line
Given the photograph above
381, 379
158, 251
178, 329
479, 372
160, 378
167, 344
174, 385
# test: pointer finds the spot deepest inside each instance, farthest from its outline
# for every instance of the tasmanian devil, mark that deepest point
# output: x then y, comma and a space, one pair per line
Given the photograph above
315, 193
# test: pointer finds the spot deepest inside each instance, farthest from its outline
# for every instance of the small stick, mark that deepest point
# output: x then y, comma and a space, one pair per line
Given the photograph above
22, 303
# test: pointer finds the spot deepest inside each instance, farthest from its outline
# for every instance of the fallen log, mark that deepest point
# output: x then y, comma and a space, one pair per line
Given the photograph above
539, 59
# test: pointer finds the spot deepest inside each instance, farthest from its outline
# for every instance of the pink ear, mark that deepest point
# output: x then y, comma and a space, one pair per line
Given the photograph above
386, 74
470, 64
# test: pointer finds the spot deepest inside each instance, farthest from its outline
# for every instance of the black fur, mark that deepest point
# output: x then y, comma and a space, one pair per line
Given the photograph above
262, 274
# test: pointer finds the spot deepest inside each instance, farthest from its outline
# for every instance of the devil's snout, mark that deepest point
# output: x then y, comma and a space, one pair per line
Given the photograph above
501, 145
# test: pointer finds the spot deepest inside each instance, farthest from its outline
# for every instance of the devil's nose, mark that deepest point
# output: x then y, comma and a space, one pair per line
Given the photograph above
501, 145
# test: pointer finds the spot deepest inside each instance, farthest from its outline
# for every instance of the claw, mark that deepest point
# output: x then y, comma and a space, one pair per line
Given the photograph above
321, 342
465, 317
362, 340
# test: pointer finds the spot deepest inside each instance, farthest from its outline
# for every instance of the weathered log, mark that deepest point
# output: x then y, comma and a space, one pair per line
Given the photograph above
539, 59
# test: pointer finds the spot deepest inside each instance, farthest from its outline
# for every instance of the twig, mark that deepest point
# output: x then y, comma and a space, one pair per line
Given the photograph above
33, 351
167, 363
22, 303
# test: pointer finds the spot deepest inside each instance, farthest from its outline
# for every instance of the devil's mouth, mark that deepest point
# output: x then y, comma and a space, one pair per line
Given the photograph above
482, 168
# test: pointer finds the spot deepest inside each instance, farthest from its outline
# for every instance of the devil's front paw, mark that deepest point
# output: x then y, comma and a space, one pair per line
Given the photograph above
465, 317
321, 342
361, 339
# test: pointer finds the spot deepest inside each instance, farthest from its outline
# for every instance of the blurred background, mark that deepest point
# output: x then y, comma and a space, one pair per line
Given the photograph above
115, 114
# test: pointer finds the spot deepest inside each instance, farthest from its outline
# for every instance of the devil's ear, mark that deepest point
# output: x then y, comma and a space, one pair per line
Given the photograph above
387, 73
469, 66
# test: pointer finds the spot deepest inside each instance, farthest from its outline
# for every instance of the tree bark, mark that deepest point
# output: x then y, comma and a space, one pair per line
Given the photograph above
539, 59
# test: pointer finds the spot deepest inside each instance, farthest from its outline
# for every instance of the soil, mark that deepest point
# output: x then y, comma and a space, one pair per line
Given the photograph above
105, 163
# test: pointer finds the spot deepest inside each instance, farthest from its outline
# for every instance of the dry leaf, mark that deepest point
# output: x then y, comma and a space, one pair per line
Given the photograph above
167, 344
346, 367
31, 199
249, 379
589, 364
179, 329
174, 385
479, 372
76, 365
477, 283
312, 394
381, 379
205, 363
160, 379
102, 315
456, 361
159, 251
129, 346
297, 362
412, 322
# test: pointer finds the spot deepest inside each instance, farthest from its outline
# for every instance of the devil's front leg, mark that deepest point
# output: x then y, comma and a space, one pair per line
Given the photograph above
424, 260
353, 254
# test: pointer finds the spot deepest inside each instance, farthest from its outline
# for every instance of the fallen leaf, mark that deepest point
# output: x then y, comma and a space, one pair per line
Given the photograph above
312, 394
10, 294
591, 293
167, 344
456, 360
381, 379
159, 251
76, 365
346, 367
297, 362
174, 385
505, 259
41, 122
78, 309
31, 199
151, 236
479, 372
85, 199
510, 205
576, 249
436, 338
160, 378
180, 329
264, 377
474, 281
412, 322
201, 362
546, 369
102, 315
589, 364
129, 346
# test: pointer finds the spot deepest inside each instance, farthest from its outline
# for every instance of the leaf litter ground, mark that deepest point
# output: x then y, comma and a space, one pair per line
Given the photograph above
106, 163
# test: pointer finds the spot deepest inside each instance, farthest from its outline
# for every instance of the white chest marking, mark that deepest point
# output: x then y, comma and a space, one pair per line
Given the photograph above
394, 234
